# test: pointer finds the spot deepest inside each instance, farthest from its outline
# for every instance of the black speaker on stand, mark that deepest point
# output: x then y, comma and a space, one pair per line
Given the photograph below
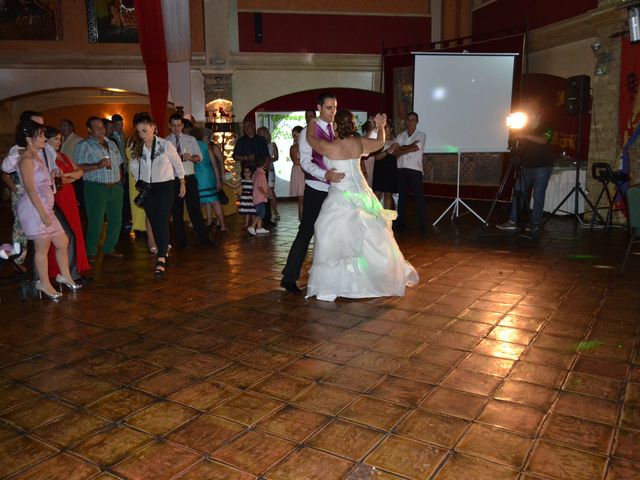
577, 102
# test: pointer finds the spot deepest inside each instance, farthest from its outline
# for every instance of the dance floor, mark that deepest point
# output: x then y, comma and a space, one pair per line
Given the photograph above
511, 359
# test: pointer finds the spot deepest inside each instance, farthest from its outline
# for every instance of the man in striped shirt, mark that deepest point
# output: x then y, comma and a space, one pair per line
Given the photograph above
100, 160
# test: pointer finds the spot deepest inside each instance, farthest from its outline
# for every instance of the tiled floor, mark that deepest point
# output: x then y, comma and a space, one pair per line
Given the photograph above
511, 359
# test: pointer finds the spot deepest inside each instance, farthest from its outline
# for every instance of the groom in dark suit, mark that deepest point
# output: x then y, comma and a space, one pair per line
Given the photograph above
317, 180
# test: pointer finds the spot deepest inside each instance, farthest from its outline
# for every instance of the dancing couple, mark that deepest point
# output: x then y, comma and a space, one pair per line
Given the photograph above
355, 255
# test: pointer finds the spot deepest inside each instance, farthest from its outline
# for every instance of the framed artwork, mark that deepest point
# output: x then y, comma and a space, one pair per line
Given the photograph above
30, 20
111, 21
402, 96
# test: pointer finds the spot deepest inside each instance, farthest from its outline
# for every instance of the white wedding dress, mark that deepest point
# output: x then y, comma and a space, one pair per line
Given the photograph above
355, 253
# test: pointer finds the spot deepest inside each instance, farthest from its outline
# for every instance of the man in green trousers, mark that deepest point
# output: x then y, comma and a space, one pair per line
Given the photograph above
100, 160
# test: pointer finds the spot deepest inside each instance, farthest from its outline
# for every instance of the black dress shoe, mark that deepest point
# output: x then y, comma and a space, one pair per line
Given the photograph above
290, 287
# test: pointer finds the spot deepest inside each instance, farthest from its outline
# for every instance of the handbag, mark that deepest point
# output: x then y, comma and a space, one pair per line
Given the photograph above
224, 199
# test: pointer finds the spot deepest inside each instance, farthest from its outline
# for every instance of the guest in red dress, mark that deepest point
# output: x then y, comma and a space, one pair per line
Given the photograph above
66, 210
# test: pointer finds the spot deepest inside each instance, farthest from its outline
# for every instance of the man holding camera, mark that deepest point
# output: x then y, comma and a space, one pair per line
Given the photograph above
533, 147
100, 160
189, 150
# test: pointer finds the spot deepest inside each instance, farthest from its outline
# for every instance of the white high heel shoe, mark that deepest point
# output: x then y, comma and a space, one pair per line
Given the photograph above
70, 284
54, 297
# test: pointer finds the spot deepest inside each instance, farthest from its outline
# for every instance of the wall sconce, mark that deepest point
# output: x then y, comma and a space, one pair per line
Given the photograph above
602, 56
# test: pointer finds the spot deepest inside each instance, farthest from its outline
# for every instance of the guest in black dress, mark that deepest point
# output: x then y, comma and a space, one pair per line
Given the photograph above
385, 173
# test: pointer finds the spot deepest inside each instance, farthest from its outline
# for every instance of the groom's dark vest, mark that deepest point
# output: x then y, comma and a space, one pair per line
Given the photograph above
316, 157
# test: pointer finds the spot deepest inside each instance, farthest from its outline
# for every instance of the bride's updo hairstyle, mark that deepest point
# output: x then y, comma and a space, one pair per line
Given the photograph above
345, 124
27, 129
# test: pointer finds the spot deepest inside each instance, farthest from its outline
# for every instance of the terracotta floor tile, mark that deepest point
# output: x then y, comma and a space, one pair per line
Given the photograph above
396, 346
293, 423
494, 348
87, 391
120, 404
440, 355
632, 395
539, 374
511, 335
55, 379
27, 368
608, 388
378, 361
310, 464
495, 445
159, 460
630, 417
621, 470
627, 445
203, 395
517, 418
471, 382
71, 428
169, 355
353, 378
432, 428
108, 447
64, 466
202, 364
161, 417
100, 363
239, 376
281, 386
254, 452
8, 431
335, 352
325, 399
526, 394
208, 470
604, 368
19, 453
452, 402
401, 390
583, 406
565, 463
269, 359
579, 433
499, 367
423, 372
297, 344
373, 412
461, 466
406, 457
357, 338
35, 413
165, 383
514, 321
482, 316
206, 433
309, 368
13, 395
470, 328
246, 408
346, 439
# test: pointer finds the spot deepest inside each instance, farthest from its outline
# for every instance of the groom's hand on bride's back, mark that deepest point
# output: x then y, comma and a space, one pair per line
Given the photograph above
333, 176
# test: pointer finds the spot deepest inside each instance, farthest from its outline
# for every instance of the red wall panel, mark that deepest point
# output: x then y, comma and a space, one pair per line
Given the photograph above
297, 32
529, 14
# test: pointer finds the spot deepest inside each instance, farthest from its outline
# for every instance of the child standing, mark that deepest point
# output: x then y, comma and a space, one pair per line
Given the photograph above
261, 196
246, 198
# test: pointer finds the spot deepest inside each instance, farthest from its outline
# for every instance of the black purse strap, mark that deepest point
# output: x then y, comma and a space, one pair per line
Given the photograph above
153, 151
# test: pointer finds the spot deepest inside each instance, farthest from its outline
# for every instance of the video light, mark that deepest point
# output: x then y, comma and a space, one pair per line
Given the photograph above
517, 120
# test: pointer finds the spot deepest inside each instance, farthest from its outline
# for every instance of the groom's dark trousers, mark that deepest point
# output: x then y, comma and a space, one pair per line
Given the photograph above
311, 205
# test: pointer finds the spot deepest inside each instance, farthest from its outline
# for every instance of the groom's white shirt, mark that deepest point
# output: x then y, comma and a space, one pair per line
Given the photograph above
306, 162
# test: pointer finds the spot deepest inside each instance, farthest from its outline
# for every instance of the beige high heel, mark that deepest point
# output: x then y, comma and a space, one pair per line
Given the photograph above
70, 284
54, 297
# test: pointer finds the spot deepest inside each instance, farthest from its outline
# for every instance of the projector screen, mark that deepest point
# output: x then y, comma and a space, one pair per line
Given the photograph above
463, 100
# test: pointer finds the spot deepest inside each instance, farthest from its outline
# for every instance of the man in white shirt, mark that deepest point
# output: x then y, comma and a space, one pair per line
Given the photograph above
189, 150
317, 180
69, 137
408, 149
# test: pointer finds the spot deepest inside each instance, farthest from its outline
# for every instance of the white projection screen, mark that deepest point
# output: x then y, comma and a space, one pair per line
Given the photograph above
463, 100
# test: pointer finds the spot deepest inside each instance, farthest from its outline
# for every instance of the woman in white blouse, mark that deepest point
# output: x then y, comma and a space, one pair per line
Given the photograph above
154, 165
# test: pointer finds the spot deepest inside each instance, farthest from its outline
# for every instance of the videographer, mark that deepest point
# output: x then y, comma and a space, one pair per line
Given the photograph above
533, 151
154, 164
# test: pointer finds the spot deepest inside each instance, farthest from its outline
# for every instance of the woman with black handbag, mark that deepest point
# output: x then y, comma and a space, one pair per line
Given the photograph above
154, 164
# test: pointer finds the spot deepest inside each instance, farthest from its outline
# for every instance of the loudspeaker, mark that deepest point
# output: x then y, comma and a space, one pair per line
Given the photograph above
257, 21
577, 94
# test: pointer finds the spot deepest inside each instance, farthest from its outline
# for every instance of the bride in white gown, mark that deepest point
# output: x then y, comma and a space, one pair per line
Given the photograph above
355, 253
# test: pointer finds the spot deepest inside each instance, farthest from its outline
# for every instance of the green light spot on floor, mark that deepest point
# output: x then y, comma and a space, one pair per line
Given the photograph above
582, 257
588, 345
